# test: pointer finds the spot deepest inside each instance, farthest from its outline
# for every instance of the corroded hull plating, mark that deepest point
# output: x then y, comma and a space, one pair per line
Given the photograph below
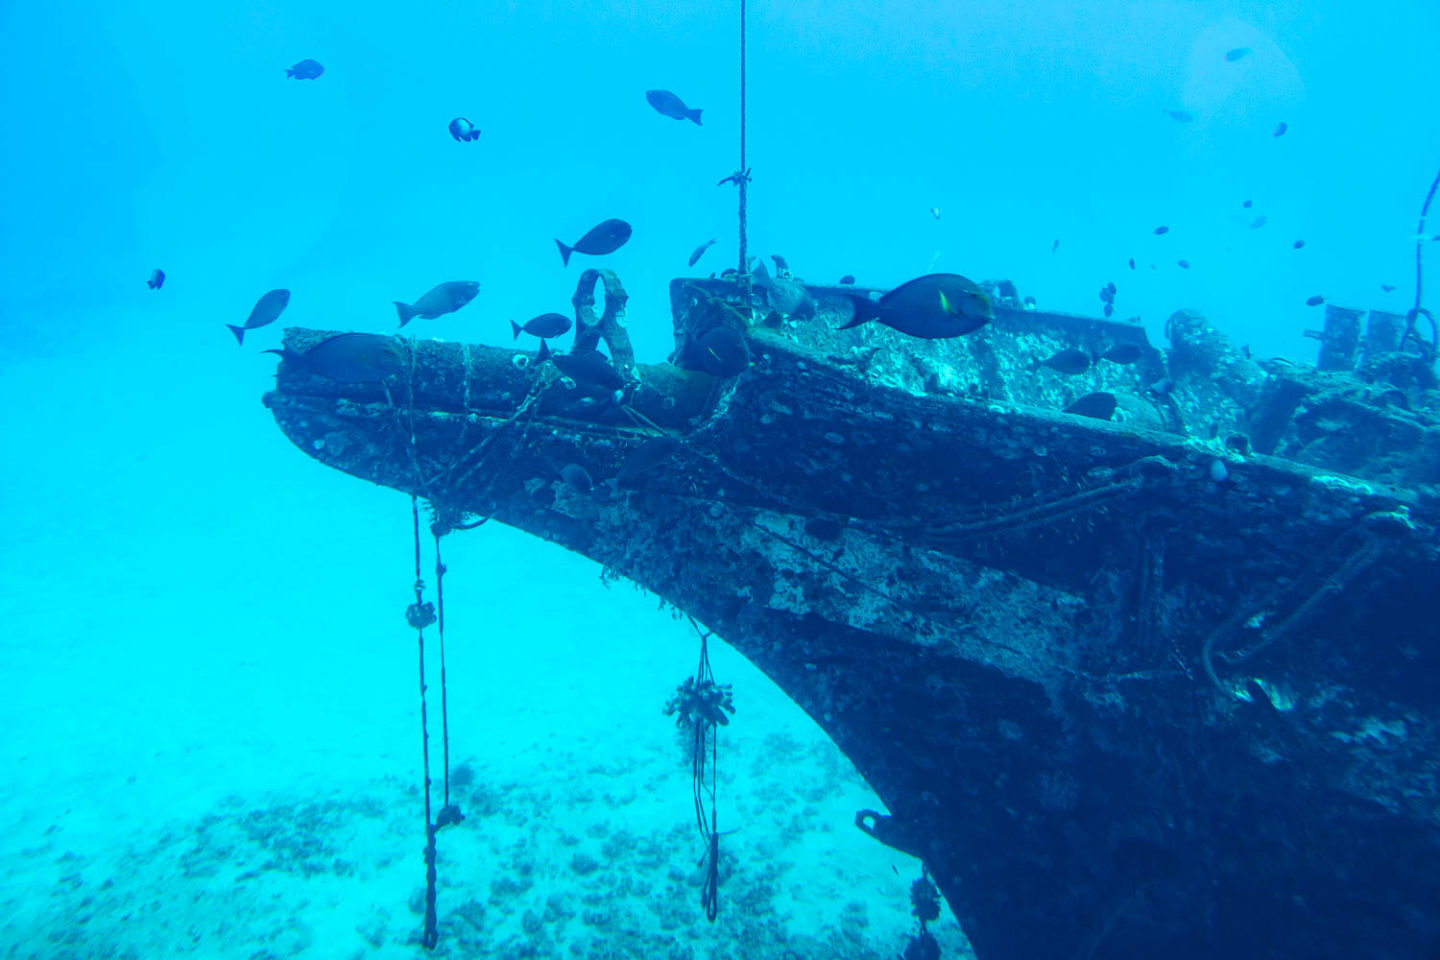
1121, 705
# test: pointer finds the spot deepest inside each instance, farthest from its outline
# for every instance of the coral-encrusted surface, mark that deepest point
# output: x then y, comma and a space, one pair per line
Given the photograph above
1127, 692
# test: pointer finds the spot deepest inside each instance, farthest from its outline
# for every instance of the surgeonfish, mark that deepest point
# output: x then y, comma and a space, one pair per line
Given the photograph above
543, 326
606, 237
265, 311
349, 358
933, 307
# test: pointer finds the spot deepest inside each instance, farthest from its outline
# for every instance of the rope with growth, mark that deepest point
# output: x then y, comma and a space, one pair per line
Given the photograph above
420, 615
741, 177
744, 179
701, 705
1420, 311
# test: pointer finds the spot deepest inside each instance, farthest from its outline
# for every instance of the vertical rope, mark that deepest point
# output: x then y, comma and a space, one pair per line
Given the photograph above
1419, 231
743, 268
431, 933
440, 633
1419, 310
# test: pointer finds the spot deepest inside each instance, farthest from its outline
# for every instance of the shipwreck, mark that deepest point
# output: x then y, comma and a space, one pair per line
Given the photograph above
1151, 677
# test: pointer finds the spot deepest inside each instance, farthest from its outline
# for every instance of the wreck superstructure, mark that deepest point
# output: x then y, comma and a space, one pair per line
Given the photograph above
1158, 682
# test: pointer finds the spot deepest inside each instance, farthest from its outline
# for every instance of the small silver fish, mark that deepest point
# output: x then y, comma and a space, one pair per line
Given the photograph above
700, 251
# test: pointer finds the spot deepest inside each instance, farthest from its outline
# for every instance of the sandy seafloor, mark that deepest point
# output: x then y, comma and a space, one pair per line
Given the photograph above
211, 730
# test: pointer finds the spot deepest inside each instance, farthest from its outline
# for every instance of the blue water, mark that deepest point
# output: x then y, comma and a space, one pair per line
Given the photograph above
203, 626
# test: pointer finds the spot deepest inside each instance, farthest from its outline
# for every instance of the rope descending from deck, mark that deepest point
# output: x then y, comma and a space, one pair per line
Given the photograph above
1418, 311
420, 615
741, 177
699, 706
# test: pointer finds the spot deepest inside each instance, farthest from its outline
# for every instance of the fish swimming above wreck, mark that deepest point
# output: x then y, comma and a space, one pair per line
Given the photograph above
933, 307
265, 312
789, 298
605, 237
438, 301
348, 358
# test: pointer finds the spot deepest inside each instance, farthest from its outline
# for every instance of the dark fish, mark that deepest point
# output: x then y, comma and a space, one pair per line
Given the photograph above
157, 279
305, 70
1298, 244
605, 238
847, 280
1098, 406
671, 106
1246, 204
1122, 353
577, 478
463, 130
446, 298
1280, 129
1184, 264
1184, 116
934, 307
266, 309
589, 368
1055, 246
1068, 362
1237, 53
1315, 301
1161, 231
1387, 287
1258, 222
700, 252
350, 358
723, 352
1109, 310
545, 325
646, 458
1132, 263
786, 296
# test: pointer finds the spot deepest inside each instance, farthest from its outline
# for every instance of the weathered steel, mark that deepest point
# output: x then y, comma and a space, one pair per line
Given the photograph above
1129, 692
